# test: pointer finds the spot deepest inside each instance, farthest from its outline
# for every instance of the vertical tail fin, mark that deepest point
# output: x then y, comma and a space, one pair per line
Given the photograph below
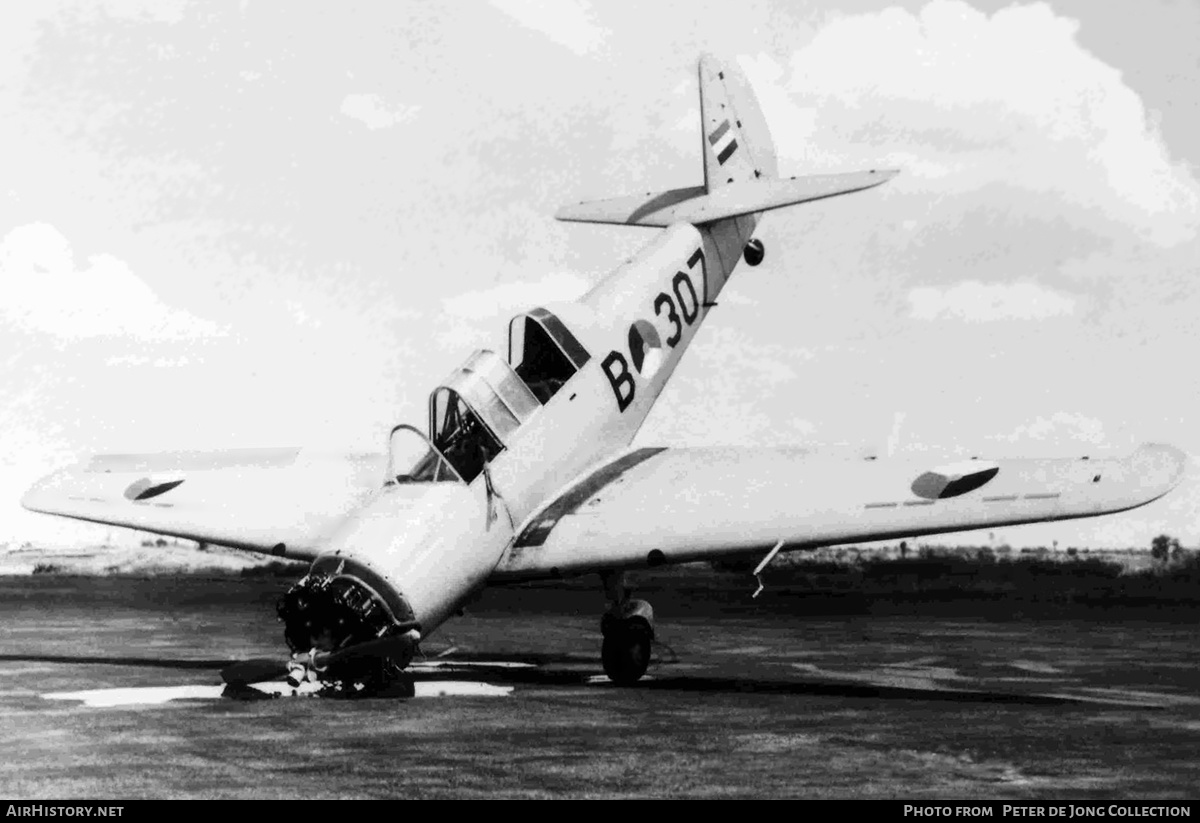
736, 143
741, 175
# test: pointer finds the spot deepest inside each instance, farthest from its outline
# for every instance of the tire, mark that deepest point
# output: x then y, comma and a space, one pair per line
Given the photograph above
626, 653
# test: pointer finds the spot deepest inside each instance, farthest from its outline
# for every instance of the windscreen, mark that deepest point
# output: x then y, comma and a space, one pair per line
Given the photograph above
460, 436
412, 459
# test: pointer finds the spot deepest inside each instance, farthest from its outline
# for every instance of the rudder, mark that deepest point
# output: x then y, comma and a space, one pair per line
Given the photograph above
736, 143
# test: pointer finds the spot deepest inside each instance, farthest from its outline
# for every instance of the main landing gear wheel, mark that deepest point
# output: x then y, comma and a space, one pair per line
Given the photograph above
628, 629
626, 650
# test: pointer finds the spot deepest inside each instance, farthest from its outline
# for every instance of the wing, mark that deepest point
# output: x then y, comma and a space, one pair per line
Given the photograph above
281, 501
676, 505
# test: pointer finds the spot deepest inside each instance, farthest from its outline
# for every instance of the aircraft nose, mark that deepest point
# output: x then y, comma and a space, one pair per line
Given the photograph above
341, 603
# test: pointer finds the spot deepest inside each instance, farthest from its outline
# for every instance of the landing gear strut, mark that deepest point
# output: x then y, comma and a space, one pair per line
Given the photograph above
628, 629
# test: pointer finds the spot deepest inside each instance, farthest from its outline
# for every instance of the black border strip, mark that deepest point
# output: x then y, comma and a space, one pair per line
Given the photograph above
716, 136
560, 334
535, 533
727, 153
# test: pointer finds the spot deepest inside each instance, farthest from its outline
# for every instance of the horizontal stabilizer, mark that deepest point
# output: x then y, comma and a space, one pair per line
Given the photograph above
693, 205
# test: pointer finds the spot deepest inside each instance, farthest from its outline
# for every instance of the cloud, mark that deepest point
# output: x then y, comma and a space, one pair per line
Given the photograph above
374, 113
562, 21
1065, 426
703, 393
979, 302
300, 313
510, 298
689, 123
45, 292
139, 360
960, 99
170, 11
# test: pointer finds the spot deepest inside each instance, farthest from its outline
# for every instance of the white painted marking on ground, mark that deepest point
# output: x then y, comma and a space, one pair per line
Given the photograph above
144, 696
468, 664
451, 688
597, 679
433, 688
158, 695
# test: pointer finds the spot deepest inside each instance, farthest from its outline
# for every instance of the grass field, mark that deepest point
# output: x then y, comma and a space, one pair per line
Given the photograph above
898, 698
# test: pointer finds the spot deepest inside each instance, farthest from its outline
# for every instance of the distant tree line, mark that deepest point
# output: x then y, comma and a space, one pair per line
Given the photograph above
1164, 548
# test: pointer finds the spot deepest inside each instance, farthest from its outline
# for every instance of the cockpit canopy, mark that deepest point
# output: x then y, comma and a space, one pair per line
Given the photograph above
543, 352
413, 459
478, 408
476, 411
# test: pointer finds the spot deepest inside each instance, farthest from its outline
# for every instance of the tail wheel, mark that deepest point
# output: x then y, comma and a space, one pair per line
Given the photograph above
626, 652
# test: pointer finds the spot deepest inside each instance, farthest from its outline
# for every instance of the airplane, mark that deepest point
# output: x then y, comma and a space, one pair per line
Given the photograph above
526, 471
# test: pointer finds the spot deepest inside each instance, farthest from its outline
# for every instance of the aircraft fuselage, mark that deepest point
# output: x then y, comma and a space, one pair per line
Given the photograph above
424, 548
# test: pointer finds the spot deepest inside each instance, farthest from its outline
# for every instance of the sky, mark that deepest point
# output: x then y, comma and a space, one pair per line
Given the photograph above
266, 224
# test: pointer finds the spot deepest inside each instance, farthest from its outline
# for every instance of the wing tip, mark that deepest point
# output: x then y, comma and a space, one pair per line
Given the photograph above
1159, 466
874, 177
34, 497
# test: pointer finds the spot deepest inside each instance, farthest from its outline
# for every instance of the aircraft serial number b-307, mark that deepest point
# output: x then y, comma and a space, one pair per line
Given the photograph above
526, 470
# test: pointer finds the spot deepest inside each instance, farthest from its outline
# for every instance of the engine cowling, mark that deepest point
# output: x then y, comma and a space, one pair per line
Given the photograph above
396, 570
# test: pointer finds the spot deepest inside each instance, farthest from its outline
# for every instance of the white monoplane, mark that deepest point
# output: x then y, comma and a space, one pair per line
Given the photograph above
526, 471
